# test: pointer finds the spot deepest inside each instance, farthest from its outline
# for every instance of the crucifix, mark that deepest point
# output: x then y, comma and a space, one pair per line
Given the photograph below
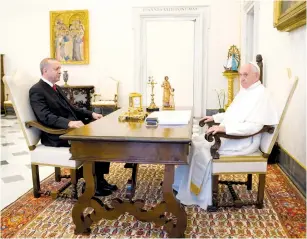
152, 107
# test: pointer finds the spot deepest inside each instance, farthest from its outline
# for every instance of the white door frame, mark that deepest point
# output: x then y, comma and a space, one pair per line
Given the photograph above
247, 7
200, 15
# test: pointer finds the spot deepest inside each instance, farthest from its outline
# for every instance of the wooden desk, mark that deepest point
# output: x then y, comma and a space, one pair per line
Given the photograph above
109, 140
79, 95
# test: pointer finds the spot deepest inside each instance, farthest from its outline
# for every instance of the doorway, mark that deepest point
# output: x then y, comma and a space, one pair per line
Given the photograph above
172, 41
170, 52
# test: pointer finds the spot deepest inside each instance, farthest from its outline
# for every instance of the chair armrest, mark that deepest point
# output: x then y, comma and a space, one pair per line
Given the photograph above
202, 123
41, 127
216, 137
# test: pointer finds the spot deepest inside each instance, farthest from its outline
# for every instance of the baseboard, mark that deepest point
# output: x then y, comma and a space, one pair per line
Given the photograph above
293, 170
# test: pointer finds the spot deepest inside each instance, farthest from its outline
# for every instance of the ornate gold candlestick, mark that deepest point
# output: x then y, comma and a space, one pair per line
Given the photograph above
230, 75
152, 107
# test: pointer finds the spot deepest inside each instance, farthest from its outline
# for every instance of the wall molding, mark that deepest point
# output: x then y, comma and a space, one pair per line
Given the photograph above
198, 14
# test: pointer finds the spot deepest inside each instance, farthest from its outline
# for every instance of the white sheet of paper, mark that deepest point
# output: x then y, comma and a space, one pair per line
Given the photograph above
172, 117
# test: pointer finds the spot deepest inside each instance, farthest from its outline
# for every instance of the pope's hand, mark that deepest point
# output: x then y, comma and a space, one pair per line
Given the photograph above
216, 129
96, 116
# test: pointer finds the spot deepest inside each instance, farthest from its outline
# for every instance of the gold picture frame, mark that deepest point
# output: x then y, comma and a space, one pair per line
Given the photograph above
69, 36
289, 15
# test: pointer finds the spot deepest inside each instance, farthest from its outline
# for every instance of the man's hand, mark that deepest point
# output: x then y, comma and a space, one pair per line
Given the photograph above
216, 129
207, 119
96, 116
75, 124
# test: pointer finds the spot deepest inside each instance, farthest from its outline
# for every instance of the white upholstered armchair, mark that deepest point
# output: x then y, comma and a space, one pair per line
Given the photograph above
18, 86
107, 95
255, 163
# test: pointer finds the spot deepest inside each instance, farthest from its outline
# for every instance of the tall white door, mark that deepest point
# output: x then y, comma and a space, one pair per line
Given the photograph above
170, 52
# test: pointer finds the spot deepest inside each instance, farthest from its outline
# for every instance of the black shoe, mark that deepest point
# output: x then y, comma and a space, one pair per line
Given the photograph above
107, 185
102, 192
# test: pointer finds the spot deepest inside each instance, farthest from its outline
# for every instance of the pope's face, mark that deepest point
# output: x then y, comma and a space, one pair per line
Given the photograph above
247, 76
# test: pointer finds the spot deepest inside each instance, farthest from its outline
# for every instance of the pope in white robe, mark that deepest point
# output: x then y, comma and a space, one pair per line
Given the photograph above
251, 109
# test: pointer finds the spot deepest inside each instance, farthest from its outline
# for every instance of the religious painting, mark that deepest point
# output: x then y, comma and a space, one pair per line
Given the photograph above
289, 15
69, 36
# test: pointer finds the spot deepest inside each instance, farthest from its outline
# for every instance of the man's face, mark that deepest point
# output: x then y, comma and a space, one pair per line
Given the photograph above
53, 71
247, 76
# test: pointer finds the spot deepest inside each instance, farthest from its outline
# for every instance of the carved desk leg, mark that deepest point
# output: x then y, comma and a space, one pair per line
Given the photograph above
83, 223
173, 206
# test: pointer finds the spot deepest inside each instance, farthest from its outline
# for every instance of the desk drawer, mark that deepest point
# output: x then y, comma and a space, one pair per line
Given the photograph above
132, 152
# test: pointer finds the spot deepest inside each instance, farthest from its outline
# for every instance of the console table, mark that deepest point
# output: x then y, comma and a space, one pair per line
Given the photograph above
79, 95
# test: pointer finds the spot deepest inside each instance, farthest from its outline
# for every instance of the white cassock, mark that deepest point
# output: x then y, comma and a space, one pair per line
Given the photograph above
251, 109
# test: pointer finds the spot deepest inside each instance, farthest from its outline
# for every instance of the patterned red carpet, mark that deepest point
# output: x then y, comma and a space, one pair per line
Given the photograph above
283, 216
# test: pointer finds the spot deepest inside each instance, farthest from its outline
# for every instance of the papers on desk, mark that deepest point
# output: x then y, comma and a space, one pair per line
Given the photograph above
170, 117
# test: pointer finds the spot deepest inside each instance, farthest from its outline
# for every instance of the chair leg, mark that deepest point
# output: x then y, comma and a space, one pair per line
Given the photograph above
215, 194
215, 184
249, 182
74, 181
35, 180
57, 172
261, 186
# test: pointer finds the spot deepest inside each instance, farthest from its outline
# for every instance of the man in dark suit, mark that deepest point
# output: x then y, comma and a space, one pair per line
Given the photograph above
53, 109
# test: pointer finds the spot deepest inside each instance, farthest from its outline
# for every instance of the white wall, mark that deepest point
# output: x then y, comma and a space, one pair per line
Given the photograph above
25, 38
282, 50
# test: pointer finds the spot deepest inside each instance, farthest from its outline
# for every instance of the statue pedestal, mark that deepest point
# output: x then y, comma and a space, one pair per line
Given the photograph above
230, 75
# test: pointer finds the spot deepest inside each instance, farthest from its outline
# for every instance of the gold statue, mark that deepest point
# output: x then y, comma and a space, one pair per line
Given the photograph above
167, 93
171, 99
152, 107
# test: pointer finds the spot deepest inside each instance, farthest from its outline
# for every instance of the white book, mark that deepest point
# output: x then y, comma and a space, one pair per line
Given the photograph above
171, 117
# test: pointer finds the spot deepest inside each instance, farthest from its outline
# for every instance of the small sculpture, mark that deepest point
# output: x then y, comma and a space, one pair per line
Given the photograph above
171, 99
233, 59
65, 77
167, 92
260, 64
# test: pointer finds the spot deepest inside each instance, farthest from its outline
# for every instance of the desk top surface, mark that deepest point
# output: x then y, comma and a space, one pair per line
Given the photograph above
109, 128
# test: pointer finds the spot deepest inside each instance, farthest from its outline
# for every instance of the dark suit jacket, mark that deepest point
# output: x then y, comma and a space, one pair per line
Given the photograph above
53, 110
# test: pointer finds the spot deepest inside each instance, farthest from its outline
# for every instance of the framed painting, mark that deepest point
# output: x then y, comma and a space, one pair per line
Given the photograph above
289, 15
69, 36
